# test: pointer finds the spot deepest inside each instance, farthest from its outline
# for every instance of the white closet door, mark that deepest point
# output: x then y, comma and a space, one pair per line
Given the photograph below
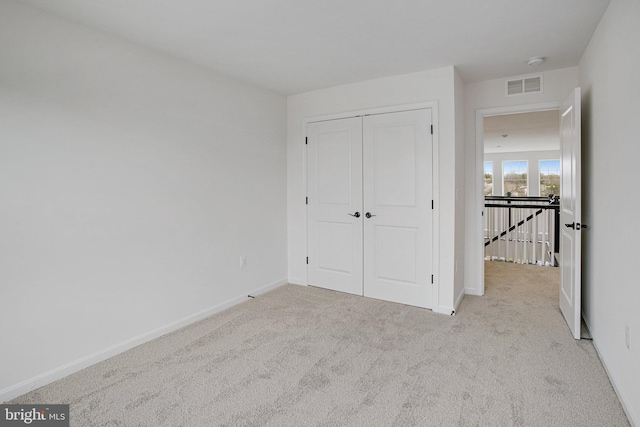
334, 173
398, 196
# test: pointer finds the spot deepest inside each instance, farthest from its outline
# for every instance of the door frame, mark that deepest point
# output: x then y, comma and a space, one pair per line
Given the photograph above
479, 193
433, 106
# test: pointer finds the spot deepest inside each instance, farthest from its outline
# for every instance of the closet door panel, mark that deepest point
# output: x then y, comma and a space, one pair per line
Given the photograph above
334, 209
397, 195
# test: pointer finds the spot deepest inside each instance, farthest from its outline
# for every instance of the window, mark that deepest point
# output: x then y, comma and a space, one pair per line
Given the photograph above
514, 179
488, 178
549, 177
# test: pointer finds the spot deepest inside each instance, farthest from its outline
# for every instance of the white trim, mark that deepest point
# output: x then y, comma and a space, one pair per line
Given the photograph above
479, 204
625, 406
433, 106
48, 377
299, 284
473, 291
305, 220
435, 255
370, 111
297, 281
445, 309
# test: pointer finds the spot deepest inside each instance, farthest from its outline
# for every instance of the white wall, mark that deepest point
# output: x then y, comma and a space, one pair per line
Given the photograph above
490, 95
435, 85
610, 153
130, 184
533, 162
459, 190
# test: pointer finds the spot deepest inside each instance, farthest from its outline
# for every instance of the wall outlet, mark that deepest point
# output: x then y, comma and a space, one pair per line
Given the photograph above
243, 261
627, 336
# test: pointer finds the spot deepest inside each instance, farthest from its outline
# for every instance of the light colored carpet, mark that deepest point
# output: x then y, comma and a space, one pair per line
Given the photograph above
302, 356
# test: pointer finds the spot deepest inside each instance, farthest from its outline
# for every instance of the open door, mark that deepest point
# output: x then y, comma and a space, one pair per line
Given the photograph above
570, 213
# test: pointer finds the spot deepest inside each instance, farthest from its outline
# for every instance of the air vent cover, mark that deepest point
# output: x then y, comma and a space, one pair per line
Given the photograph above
524, 85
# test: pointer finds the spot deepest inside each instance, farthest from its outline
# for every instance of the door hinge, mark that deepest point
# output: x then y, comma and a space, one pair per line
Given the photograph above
306, 200
432, 204
432, 279
306, 140
431, 129
307, 260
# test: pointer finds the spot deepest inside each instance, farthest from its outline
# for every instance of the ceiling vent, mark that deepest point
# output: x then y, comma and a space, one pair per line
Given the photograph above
524, 85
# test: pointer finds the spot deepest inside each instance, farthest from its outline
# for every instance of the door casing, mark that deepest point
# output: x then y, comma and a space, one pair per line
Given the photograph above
478, 258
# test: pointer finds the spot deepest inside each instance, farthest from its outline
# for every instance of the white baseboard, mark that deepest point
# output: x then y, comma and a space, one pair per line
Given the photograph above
265, 288
38, 381
296, 281
473, 291
444, 309
447, 309
625, 406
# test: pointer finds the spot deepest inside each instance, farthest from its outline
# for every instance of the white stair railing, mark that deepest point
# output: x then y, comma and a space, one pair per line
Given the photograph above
521, 229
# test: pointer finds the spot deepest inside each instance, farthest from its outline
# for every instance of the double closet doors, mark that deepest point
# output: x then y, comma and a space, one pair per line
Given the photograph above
370, 207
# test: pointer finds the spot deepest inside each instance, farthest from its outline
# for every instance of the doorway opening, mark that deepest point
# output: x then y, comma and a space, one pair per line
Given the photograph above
569, 112
521, 187
513, 144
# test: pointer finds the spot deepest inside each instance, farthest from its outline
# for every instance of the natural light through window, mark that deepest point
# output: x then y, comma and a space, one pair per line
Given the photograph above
549, 177
488, 178
515, 178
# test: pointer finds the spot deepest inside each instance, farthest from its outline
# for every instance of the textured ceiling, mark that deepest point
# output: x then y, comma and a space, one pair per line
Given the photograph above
293, 46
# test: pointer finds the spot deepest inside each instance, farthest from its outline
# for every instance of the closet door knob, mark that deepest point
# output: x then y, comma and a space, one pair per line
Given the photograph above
357, 214
369, 215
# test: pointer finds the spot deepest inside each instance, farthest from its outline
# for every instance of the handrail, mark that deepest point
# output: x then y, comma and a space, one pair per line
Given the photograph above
517, 199
524, 226
499, 205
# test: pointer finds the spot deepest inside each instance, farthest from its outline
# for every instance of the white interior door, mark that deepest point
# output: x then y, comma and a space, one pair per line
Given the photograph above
570, 213
334, 205
398, 207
